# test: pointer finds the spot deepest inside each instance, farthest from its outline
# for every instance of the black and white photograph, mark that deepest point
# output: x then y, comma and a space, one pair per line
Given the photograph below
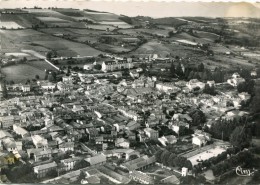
129, 92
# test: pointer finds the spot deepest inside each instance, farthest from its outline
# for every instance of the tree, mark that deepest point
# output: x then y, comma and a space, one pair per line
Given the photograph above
201, 67
97, 67
198, 117
172, 70
179, 70
49, 55
240, 138
37, 77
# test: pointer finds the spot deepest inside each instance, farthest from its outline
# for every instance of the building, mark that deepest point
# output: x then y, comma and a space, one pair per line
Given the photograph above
139, 163
20, 131
200, 138
9, 144
67, 146
141, 177
39, 141
151, 133
96, 160
171, 180
70, 163
42, 170
121, 142
235, 80
88, 66
26, 88
117, 65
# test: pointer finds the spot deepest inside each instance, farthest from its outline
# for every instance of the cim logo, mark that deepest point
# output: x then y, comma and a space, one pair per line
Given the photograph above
244, 172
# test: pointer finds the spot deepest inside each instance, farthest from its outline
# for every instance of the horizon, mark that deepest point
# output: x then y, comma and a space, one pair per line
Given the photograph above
150, 9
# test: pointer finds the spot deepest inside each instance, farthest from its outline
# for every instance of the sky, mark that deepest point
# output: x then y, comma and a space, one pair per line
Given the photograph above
145, 8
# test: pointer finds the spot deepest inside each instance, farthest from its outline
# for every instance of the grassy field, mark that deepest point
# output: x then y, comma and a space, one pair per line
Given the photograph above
14, 41
22, 72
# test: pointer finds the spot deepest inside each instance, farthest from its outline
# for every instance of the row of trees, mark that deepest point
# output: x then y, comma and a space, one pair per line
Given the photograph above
172, 160
244, 158
237, 131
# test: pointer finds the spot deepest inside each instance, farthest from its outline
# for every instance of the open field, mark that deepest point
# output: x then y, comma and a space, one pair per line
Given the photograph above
10, 25
235, 61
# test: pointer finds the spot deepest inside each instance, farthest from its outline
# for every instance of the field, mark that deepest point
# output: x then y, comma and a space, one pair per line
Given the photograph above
10, 25
24, 20
22, 72
207, 35
164, 49
14, 41
100, 27
51, 19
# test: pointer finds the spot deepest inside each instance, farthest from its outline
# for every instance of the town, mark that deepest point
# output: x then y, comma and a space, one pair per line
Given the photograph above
128, 119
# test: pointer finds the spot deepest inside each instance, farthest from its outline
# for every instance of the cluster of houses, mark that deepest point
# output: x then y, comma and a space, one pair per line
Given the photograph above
95, 121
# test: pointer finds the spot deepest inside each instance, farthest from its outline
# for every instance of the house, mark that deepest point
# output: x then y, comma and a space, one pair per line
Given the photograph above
117, 65
38, 155
171, 139
66, 146
171, 180
7, 158
39, 141
5, 134
194, 83
134, 74
9, 144
200, 138
20, 131
7, 121
26, 88
70, 163
96, 160
141, 177
42, 170
151, 133
121, 142
67, 79
167, 87
235, 80
88, 66
45, 85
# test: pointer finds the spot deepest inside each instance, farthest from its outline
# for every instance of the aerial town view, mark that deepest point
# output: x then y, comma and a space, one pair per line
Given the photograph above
92, 96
